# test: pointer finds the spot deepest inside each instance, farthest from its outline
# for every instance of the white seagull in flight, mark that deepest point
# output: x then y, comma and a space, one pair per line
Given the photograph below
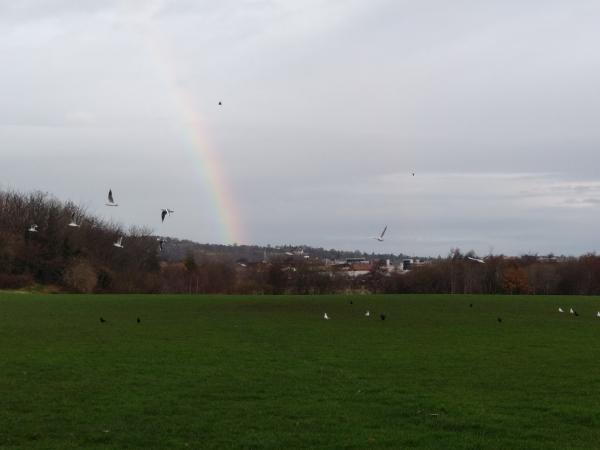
119, 243
165, 213
33, 228
74, 223
111, 200
480, 261
380, 237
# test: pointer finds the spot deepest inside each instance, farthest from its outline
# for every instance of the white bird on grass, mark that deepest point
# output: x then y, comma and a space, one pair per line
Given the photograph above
74, 223
380, 237
111, 200
33, 228
166, 212
560, 310
571, 311
598, 314
368, 313
119, 243
325, 316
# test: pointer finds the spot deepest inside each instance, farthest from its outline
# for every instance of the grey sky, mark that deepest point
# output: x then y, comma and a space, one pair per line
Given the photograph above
328, 105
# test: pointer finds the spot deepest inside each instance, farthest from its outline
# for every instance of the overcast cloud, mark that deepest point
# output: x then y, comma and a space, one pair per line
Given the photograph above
328, 106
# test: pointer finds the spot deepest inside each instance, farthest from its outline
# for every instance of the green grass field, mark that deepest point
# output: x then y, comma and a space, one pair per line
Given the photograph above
268, 372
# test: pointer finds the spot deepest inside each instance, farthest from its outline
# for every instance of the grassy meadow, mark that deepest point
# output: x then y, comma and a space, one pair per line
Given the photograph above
219, 372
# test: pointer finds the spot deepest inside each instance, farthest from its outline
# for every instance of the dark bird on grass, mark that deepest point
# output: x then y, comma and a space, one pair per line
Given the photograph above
382, 316
470, 305
139, 320
499, 319
102, 320
166, 212
351, 302
576, 314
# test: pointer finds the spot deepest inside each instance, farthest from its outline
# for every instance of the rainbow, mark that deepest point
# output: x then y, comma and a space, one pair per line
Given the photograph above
201, 151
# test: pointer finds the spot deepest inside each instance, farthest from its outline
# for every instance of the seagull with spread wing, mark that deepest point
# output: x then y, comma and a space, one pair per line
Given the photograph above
380, 237
119, 243
111, 200
165, 212
74, 223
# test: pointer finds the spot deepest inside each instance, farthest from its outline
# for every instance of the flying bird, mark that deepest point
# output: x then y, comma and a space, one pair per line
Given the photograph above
165, 213
560, 310
111, 200
480, 261
119, 243
74, 223
413, 174
325, 316
220, 103
33, 228
380, 237
368, 313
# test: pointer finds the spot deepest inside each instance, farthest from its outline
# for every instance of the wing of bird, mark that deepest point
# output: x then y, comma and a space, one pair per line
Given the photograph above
163, 214
383, 232
110, 196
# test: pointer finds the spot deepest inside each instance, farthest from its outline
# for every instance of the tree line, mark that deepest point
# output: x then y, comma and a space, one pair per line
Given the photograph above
83, 259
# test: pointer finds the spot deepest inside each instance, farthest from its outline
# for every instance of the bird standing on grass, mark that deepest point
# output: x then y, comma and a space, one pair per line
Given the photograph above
102, 320
571, 311
560, 310
325, 316
382, 316
368, 313
138, 320
499, 319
